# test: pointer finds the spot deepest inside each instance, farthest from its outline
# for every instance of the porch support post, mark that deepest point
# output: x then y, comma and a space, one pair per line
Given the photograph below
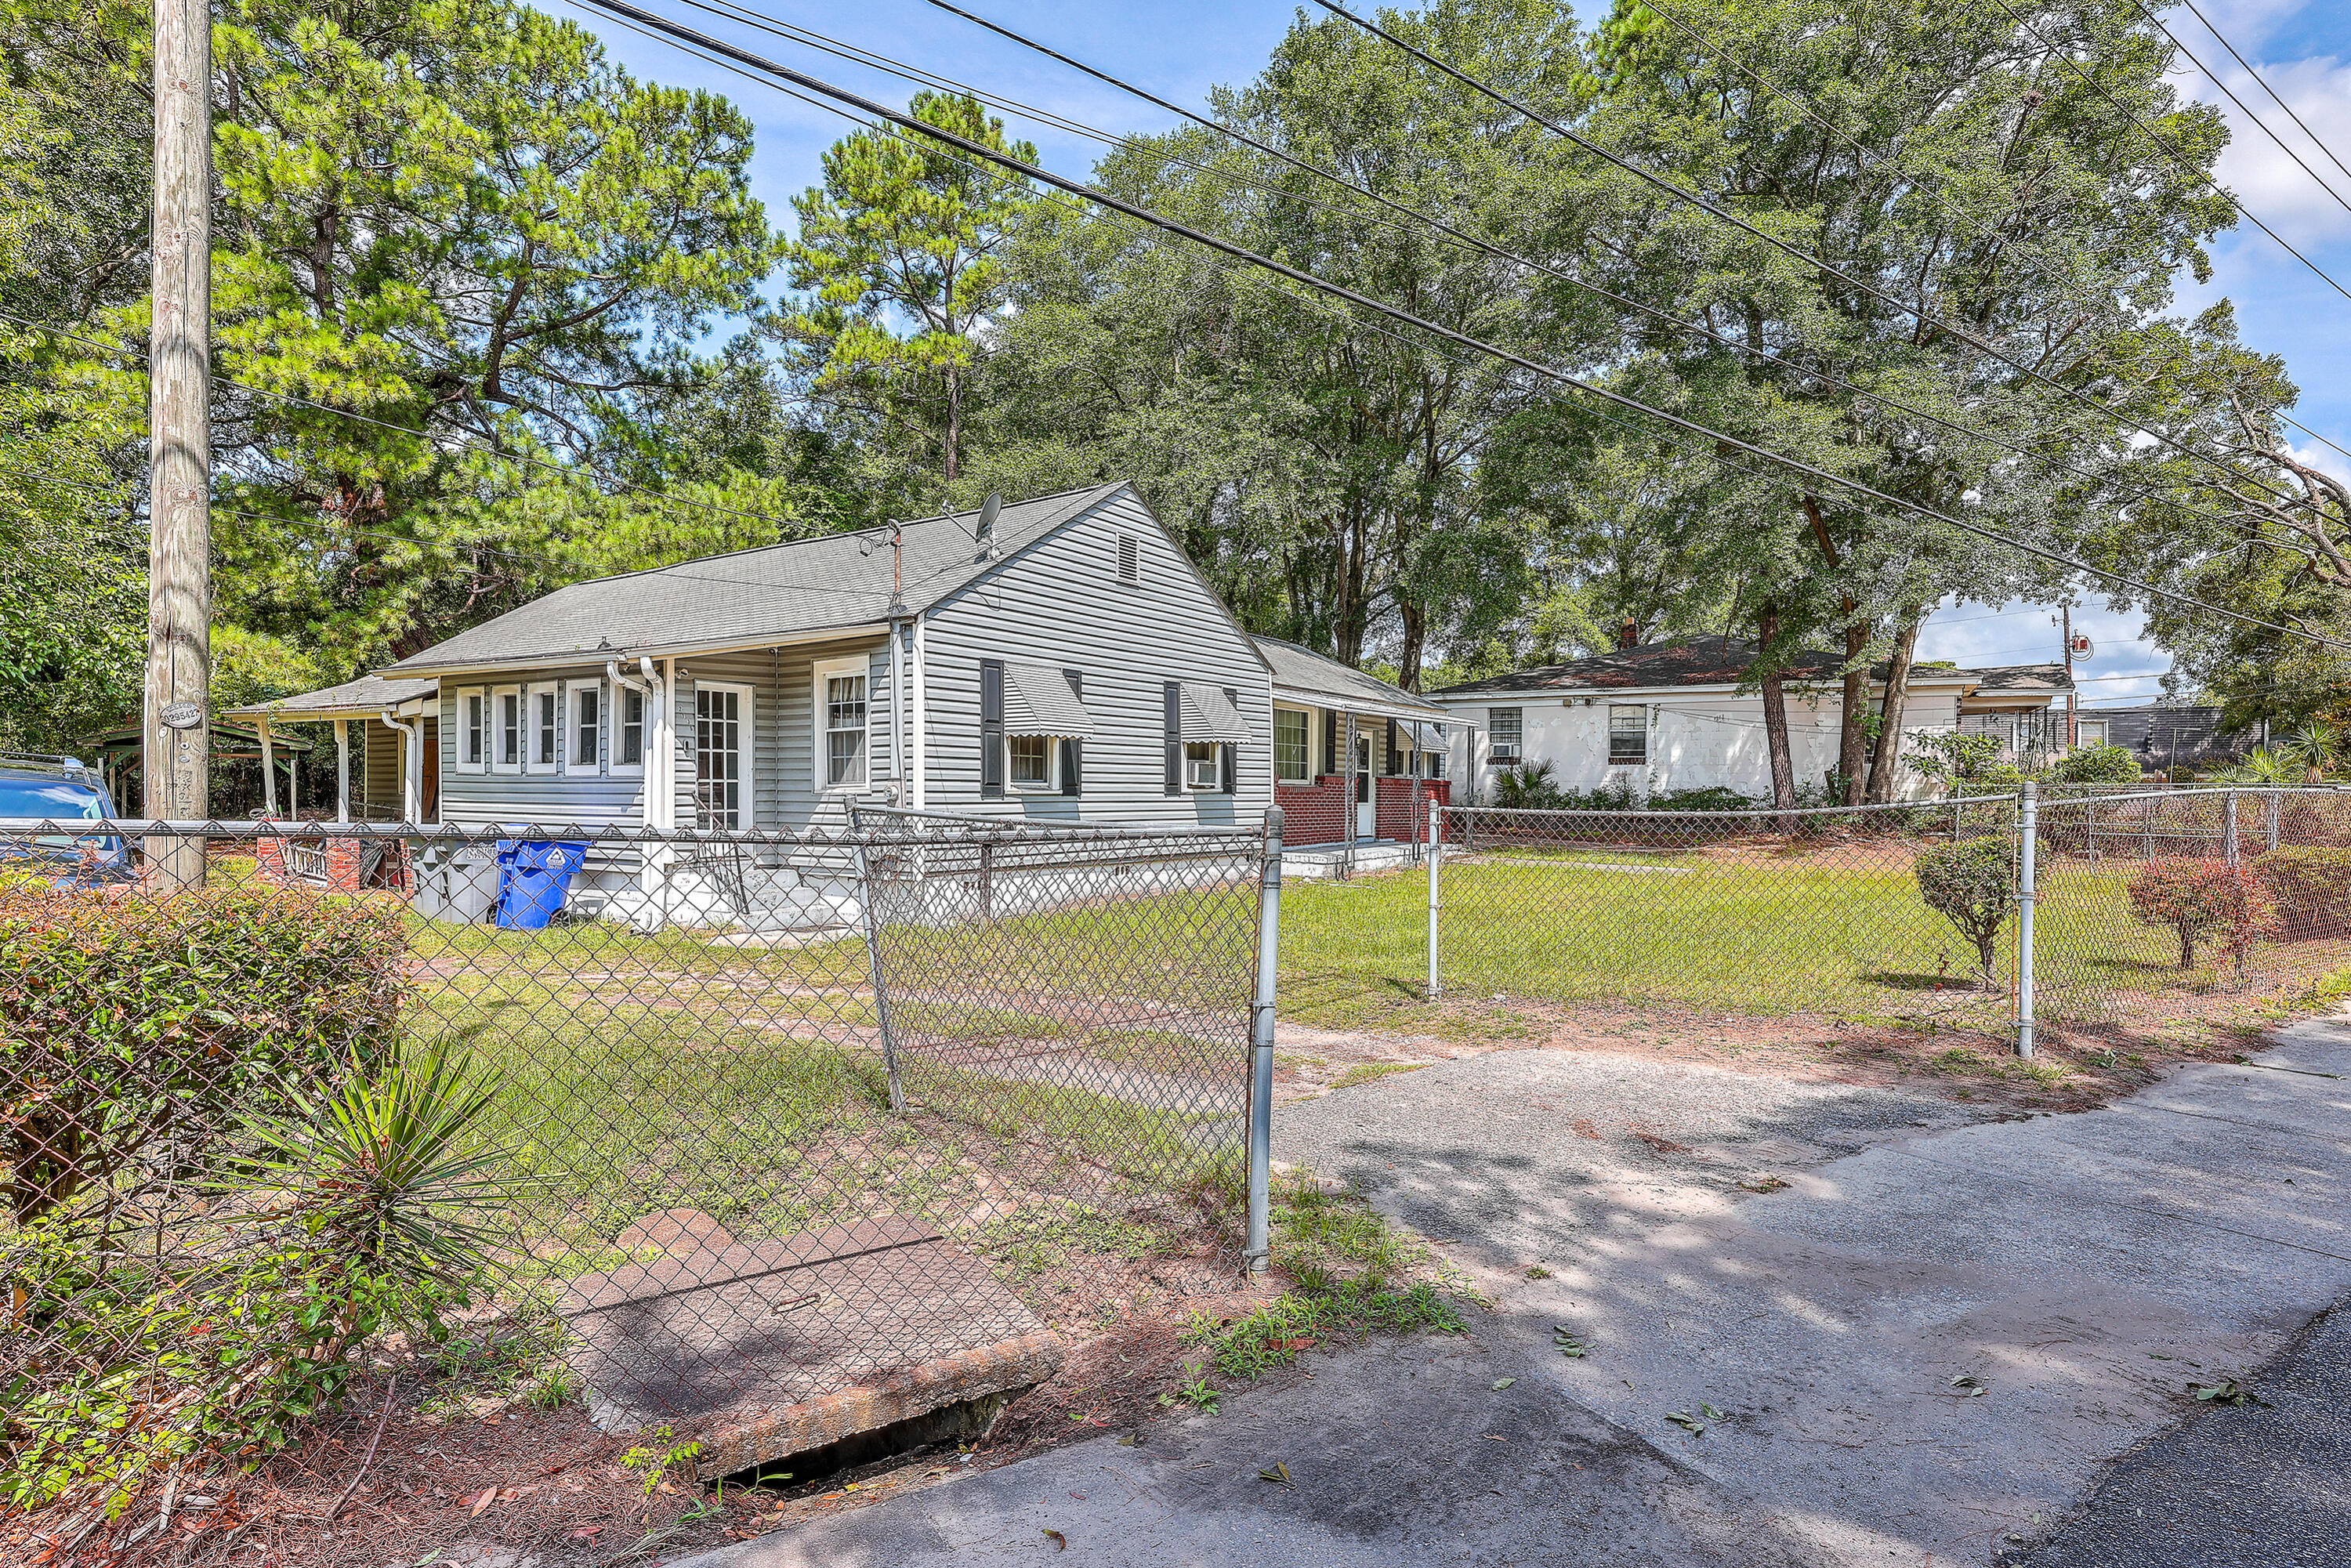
268, 770
342, 771
411, 770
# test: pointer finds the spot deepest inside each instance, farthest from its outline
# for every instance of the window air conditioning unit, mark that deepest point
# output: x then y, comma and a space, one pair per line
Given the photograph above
1506, 752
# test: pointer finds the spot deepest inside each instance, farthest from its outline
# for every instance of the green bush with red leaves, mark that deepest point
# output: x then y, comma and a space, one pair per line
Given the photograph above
2312, 885
2204, 900
133, 1025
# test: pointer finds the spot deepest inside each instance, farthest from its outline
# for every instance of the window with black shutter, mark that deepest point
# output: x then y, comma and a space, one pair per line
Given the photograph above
991, 729
1330, 741
1393, 768
1229, 775
1172, 732
1072, 753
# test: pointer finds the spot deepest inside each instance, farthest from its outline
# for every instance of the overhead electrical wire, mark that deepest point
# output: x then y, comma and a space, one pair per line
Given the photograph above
2257, 75
1924, 318
2213, 77
736, 11
677, 32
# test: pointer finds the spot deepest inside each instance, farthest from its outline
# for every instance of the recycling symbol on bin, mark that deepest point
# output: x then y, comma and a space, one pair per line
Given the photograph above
555, 860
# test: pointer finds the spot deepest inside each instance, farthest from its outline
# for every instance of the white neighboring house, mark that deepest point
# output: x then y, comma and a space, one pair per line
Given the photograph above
1670, 715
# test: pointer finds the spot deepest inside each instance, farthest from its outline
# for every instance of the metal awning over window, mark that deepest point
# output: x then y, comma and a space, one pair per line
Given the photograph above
1209, 715
1039, 701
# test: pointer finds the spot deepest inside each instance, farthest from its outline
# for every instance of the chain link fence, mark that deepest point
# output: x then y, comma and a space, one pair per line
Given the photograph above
771, 1137
2147, 905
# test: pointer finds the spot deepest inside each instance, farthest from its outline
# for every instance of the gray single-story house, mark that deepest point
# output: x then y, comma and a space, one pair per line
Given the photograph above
1056, 659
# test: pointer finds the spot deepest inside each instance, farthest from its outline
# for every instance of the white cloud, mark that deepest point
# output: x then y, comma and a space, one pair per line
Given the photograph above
2124, 664
2253, 166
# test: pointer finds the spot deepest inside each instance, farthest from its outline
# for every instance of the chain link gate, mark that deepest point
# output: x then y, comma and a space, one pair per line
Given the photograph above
771, 1137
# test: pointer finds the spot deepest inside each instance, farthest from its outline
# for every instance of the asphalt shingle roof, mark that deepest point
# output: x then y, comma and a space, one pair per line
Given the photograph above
1306, 672
369, 694
732, 600
1714, 661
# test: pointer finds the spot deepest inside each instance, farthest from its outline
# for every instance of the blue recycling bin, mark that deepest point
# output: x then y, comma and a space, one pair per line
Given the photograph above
534, 879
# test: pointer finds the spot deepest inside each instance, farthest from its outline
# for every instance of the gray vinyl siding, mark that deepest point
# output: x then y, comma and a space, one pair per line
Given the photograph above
1060, 604
572, 798
375, 767
781, 789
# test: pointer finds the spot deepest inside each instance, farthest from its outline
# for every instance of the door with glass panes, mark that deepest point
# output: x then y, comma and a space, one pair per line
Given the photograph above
722, 744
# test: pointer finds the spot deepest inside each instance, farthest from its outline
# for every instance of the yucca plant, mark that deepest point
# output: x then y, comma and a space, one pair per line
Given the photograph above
378, 1166
2263, 765
2319, 748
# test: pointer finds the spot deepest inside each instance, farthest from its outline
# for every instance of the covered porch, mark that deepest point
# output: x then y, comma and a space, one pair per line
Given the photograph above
1357, 762
396, 724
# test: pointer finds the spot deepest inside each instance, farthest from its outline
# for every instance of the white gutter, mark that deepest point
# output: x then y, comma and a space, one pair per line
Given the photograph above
899, 632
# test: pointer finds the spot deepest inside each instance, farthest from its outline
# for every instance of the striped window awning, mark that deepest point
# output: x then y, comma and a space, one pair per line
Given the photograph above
1038, 701
1209, 715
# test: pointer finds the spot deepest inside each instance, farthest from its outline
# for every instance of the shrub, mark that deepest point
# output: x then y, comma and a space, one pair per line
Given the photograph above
355, 1208
1972, 885
130, 1019
1527, 786
2311, 886
2201, 898
2096, 765
1714, 798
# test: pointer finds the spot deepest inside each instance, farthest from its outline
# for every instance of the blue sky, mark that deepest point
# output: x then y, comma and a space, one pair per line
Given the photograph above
1182, 49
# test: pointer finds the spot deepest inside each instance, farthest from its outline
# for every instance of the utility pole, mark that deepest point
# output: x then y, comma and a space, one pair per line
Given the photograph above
2069, 677
176, 722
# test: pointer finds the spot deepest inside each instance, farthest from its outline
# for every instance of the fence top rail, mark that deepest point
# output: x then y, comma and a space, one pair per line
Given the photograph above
1610, 814
443, 832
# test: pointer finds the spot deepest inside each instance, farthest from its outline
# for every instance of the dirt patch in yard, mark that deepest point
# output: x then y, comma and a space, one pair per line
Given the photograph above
2073, 1067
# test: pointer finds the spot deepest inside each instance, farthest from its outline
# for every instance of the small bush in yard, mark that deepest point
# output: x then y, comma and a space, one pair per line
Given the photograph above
354, 1209
131, 1021
1972, 885
2096, 765
2312, 887
2202, 898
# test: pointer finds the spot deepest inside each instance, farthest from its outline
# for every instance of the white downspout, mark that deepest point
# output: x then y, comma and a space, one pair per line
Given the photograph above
412, 766
651, 691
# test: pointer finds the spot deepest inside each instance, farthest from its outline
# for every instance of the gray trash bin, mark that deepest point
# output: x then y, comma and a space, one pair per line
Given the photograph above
457, 882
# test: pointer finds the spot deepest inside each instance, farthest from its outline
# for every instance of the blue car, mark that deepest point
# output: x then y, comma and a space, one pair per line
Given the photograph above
61, 790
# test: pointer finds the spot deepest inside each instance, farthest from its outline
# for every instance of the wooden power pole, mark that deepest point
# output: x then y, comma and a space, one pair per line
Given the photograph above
175, 727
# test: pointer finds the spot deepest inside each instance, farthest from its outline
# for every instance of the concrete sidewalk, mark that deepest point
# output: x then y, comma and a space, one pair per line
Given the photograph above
2081, 1269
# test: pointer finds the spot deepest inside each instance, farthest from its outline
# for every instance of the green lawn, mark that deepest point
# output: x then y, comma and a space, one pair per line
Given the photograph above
1843, 932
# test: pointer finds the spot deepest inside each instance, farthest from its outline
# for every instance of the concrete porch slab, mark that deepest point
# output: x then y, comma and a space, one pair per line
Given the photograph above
766, 1350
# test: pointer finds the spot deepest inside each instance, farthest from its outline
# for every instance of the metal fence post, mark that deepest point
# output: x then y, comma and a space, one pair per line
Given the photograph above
2270, 814
2029, 829
2228, 828
873, 924
1260, 1125
1436, 853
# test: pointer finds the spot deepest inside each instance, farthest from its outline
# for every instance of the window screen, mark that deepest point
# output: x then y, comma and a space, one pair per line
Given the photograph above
844, 729
1027, 756
1629, 735
1290, 761
631, 750
586, 725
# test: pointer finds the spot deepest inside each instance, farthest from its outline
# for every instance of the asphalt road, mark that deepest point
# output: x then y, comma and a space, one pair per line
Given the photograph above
2081, 1270
2237, 1486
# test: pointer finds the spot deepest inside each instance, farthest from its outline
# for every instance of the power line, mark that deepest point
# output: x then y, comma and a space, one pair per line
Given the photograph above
2257, 75
1308, 279
2168, 148
1922, 317
739, 12
2214, 79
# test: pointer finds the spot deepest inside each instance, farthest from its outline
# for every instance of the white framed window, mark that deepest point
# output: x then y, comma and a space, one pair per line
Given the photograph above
841, 723
506, 729
723, 749
628, 733
584, 745
1441, 750
2089, 732
1292, 740
1629, 735
1506, 730
1200, 764
473, 728
543, 735
1029, 761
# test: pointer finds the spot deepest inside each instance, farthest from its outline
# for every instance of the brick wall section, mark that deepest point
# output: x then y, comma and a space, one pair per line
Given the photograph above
1396, 817
1315, 813
346, 863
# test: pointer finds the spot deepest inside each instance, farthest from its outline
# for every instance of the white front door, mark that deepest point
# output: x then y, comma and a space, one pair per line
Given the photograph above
1367, 809
721, 755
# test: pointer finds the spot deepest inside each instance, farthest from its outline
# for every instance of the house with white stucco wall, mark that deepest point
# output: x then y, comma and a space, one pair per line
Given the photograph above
1679, 714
